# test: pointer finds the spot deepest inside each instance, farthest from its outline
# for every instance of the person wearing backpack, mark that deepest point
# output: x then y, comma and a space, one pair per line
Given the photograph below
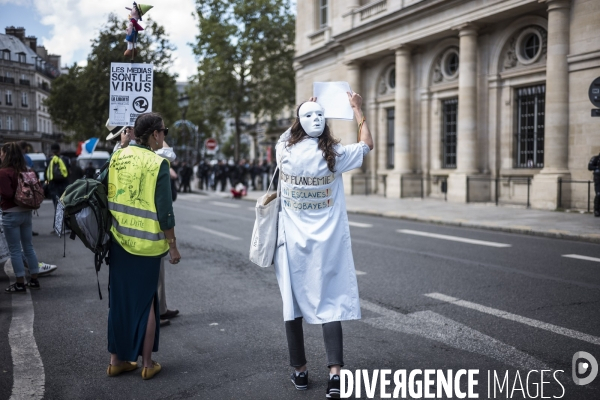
57, 174
143, 231
16, 220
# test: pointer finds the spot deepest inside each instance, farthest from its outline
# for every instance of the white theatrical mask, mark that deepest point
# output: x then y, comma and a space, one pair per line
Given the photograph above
312, 118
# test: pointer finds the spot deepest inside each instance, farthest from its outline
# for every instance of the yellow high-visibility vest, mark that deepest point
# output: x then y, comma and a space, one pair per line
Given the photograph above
62, 167
132, 176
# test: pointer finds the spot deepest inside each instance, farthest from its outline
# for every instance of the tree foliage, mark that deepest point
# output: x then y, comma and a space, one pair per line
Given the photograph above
245, 52
79, 99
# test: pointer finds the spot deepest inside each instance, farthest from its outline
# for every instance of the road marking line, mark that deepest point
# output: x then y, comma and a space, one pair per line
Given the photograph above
28, 370
226, 236
517, 318
360, 224
577, 256
439, 328
218, 203
359, 272
453, 238
212, 212
472, 263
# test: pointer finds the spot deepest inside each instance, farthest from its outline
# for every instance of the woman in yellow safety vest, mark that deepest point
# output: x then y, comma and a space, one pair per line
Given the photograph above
143, 231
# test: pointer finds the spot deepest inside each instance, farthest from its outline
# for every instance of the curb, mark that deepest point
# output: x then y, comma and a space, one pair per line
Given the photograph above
508, 229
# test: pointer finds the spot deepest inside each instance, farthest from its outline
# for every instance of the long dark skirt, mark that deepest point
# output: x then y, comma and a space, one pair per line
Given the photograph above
133, 282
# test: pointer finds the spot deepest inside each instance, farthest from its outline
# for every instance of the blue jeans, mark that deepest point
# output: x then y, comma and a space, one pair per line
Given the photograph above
17, 230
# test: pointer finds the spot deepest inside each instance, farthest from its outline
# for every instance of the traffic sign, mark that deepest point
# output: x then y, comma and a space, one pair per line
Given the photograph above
210, 144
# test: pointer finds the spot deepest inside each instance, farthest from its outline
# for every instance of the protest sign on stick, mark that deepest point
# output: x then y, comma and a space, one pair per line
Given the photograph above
131, 87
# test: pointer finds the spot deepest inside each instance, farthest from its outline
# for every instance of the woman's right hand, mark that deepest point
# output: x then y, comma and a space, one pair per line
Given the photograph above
174, 254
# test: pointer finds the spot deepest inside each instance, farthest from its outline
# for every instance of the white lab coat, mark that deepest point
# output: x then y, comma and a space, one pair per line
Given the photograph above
313, 259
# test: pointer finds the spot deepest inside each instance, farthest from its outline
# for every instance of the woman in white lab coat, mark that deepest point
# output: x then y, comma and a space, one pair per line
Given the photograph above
313, 260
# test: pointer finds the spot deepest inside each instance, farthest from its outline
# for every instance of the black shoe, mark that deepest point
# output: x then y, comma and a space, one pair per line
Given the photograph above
300, 380
33, 284
16, 288
34, 233
333, 388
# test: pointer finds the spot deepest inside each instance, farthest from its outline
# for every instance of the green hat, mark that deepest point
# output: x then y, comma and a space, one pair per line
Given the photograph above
142, 9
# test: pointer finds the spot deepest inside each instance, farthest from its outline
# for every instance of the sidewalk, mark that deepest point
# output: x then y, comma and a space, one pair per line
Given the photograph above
555, 224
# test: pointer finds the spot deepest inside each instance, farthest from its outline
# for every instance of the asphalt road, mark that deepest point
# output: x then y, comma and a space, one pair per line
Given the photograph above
510, 304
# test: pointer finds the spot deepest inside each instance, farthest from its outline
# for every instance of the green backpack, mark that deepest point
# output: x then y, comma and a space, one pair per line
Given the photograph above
86, 213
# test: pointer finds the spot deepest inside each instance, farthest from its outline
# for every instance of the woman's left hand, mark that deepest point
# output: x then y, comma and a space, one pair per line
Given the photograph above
355, 100
174, 253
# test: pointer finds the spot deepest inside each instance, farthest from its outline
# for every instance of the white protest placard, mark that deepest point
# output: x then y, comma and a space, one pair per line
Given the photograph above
131, 87
59, 219
332, 96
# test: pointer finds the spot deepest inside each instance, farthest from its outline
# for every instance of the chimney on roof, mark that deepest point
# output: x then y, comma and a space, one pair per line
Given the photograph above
31, 41
18, 32
54, 60
42, 52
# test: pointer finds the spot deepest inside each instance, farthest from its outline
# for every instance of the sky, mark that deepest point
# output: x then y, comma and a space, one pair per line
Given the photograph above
66, 27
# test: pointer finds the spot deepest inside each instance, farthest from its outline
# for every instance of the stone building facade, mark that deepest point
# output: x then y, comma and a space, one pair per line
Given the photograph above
26, 75
473, 100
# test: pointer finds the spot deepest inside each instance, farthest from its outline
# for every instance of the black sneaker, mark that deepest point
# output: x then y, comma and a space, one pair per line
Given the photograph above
16, 288
300, 380
33, 284
333, 388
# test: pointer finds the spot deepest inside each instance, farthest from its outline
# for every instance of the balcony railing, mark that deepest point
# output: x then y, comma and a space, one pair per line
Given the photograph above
9, 80
373, 8
24, 82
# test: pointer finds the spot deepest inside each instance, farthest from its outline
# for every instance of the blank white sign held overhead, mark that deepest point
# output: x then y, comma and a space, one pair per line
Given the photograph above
333, 97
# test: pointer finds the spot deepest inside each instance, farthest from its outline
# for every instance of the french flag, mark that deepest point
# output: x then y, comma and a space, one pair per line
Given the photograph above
88, 146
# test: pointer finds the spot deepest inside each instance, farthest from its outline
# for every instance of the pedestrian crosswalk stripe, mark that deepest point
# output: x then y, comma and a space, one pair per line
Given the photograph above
579, 257
221, 204
439, 328
360, 272
360, 224
517, 318
453, 238
217, 233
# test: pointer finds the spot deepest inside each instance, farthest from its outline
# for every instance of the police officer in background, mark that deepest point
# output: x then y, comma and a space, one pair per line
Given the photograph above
594, 165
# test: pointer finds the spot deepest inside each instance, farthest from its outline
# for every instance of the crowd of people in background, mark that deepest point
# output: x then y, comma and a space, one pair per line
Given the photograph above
219, 175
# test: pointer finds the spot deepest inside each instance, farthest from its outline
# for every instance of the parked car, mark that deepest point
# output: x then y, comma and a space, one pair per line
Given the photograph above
40, 163
97, 158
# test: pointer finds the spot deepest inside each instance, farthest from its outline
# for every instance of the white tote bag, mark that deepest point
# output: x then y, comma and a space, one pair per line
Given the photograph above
264, 234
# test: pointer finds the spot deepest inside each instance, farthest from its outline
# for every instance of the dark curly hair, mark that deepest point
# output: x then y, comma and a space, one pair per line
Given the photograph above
13, 157
326, 141
145, 125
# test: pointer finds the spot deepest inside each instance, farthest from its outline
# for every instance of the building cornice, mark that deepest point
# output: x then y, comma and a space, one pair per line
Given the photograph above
410, 14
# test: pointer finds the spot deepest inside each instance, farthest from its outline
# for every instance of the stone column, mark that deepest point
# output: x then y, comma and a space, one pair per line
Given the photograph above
402, 155
425, 137
466, 161
556, 131
466, 152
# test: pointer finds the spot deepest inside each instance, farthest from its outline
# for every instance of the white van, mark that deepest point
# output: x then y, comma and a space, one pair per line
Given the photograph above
97, 158
40, 164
